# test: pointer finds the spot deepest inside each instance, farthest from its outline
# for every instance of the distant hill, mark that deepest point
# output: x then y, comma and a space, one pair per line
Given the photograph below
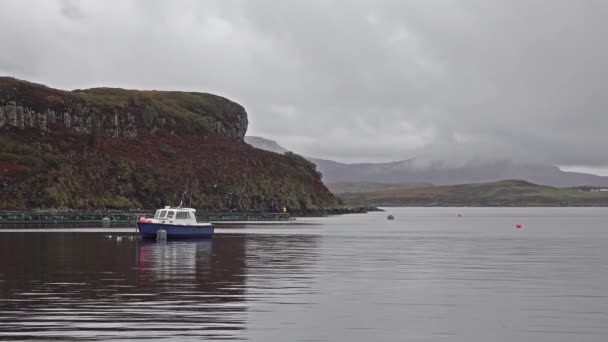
439, 173
443, 173
346, 187
509, 193
265, 144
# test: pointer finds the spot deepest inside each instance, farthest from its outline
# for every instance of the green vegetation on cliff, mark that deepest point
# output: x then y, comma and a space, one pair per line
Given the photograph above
119, 149
509, 193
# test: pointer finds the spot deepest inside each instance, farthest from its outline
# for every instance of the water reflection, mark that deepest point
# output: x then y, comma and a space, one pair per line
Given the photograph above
427, 275
280, 269
88, 286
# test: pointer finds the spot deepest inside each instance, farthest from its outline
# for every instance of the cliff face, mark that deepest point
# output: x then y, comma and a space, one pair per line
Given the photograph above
115, 148
116, 113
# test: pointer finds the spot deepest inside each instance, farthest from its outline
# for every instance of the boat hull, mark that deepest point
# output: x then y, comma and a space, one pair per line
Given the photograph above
149, 230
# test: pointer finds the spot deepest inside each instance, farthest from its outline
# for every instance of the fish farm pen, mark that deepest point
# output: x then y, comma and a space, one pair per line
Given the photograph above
29, 217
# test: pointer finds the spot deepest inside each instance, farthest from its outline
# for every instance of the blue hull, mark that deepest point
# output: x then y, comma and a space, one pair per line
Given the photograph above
148, 231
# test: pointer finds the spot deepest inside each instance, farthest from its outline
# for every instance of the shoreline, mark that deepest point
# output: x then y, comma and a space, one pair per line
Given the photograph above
54, 217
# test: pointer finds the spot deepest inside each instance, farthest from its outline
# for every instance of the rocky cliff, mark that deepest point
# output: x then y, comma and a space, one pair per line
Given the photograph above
116, 148
116, 113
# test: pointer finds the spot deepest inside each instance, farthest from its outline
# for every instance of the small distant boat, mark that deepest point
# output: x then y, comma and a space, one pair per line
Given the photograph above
179, 223
390, 217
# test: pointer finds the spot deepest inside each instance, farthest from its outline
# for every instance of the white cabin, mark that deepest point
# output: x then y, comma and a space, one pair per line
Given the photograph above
177, 216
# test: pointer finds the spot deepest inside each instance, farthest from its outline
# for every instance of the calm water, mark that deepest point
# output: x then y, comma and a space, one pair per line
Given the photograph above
426, 276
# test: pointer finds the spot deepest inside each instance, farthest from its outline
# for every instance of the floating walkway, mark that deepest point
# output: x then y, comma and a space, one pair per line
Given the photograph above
29, 217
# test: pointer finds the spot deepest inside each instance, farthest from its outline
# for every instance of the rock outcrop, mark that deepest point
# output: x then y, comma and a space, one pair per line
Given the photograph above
116, 113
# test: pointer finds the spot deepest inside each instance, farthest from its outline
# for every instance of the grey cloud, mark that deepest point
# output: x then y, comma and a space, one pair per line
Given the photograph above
348, 80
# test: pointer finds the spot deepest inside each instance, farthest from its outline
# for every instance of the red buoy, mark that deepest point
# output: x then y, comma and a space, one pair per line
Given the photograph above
459, 215
518, 225
142, 219
148, 221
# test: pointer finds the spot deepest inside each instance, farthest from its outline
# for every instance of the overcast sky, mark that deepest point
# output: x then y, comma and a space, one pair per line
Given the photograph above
348, 80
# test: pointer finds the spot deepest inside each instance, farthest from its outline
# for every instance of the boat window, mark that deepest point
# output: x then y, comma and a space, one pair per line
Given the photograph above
170, 214
182, 215
157, 215
162, 214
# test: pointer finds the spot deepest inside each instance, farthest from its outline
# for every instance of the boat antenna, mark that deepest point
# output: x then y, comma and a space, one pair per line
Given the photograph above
181, 202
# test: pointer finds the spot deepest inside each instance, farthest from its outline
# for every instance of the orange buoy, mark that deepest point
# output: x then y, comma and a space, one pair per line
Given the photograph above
518, 226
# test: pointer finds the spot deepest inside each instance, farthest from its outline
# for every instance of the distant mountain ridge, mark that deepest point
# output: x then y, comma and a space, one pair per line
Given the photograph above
441, 173
507, 193
265, 144
355, 187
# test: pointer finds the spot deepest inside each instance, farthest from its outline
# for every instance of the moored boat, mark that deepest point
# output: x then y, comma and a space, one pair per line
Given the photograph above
179, 223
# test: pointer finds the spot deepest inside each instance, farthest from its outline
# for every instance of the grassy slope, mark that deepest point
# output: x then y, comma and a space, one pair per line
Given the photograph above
503, 193
63, 171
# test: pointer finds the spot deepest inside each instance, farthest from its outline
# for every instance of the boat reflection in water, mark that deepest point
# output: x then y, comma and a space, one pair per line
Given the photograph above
189, 295
174, 260
85, 285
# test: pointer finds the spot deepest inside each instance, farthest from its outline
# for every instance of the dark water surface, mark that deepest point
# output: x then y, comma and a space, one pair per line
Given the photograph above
426, 276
